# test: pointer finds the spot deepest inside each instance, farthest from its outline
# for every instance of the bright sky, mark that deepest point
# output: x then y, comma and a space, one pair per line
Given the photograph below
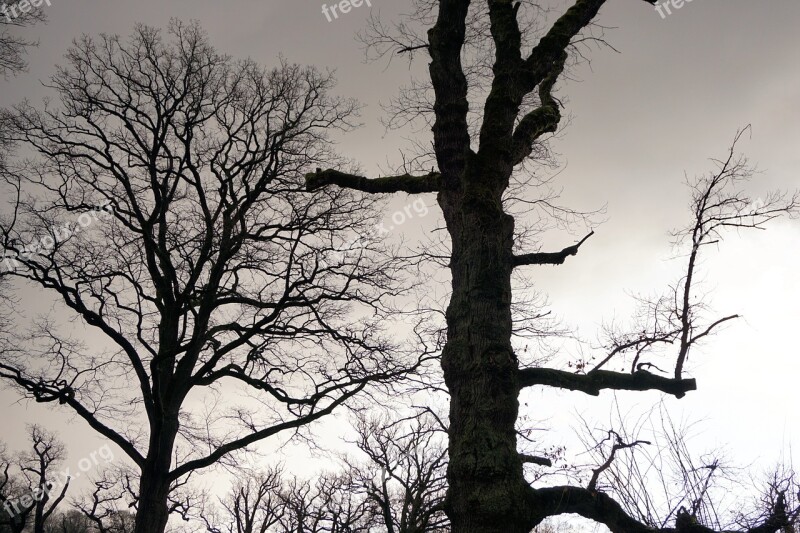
673, 98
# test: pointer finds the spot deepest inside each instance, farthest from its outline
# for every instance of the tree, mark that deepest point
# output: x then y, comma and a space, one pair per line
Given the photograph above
485, 51
70, 522
29, 499
662, 480
197, 257
12, 52
272, 502
399, 488
13, 46
404, 476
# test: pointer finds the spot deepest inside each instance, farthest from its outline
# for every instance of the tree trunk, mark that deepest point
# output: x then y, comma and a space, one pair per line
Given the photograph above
153, 511
486, 487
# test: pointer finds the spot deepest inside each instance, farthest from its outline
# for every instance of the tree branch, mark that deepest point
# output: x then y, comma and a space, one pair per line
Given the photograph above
597, 380
549, 258
388, 184
535, 460
595, 506
619, 445
543, 119
601, 508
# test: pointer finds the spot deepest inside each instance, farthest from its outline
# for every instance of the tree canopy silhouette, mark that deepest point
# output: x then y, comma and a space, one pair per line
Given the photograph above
165, 211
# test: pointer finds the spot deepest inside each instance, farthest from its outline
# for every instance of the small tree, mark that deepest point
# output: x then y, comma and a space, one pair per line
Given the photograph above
272, 502
404, 476
12, 45
29, 499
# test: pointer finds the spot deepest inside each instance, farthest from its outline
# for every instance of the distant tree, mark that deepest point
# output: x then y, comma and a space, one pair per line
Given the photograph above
29, 499
70, 522
104, 508
75, 521
197, 256
404, 475
12, 44
326, 505
254, 506
272, 502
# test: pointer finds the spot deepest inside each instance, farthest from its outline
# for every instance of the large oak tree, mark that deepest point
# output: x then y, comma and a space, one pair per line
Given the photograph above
163, 208
491, 104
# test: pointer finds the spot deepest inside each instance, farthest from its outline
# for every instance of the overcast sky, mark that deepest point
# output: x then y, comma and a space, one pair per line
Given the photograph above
640, 121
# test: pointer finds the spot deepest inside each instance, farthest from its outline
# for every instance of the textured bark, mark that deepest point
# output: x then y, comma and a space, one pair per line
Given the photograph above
487, 492
154, 485
153, 512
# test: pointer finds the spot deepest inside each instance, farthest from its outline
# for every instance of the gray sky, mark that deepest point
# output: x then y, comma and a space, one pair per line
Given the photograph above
673, 97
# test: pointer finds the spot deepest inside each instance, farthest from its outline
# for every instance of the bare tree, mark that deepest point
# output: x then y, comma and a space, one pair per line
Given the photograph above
28, 502
274, 502
327, 505
70, 522
196, 255
75, 521
404, 475
14, 16
490, 103
399, 488
105, 507
661, 480
254, 506
13, 46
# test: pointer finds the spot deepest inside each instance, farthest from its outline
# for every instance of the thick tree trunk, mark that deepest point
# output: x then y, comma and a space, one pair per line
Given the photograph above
486, 486
153, 511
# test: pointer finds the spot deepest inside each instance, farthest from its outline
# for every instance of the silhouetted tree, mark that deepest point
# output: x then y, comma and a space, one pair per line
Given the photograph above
12, 44
490, 101
29, 499
404, 476
273, 502
196, 255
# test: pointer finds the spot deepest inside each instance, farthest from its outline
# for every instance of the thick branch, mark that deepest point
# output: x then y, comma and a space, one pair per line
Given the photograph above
535, 460
262, 434
549, 258
601, 508
543, 119
45, 393
597, 380
403, 183
595, 506
451, 137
